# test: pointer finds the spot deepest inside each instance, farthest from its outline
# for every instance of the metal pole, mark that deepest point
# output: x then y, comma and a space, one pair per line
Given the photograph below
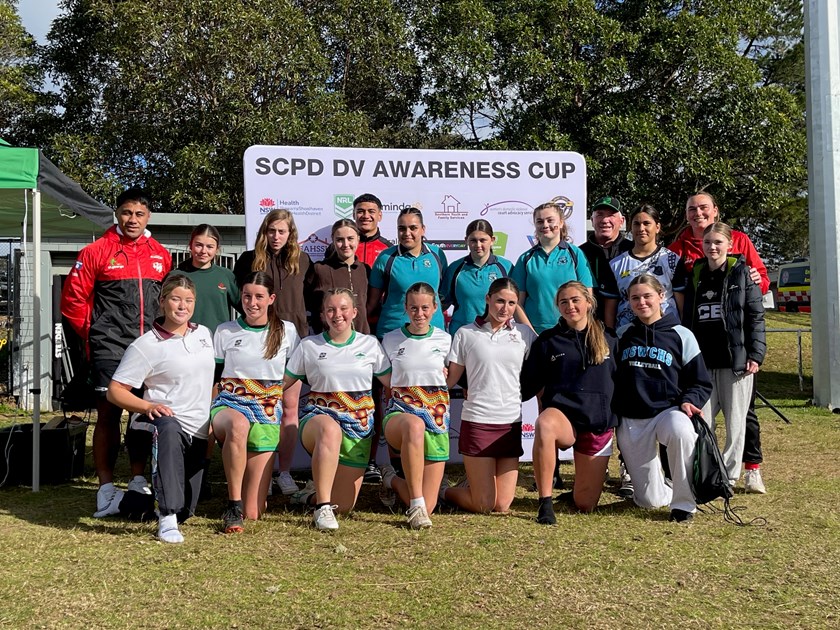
822, 89
36, 343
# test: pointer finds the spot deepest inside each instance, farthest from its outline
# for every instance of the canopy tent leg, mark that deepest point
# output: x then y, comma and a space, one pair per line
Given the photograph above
36, 338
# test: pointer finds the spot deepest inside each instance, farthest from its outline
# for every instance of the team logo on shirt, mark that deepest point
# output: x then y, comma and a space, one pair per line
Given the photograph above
709, 294
222, 286
401, 352
322, 356
158, 267
204, 343
554, 357
427, 264
237, 343
360, 355
78, 264
492, 276
113, 264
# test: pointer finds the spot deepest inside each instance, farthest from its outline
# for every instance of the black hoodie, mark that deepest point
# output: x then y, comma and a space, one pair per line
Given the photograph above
559, 363
659, 366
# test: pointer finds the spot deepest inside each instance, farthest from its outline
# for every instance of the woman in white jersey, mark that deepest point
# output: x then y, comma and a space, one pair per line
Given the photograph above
175, 357
491, 350
251, 355
416, 422
336, 417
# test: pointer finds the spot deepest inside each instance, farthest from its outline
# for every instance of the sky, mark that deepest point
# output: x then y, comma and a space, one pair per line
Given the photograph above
37, 15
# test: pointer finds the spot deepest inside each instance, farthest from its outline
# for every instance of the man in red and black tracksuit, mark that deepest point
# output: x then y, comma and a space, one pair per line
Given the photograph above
110, 298
367, 211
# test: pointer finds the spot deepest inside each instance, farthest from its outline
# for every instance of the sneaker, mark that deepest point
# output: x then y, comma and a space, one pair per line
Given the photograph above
372, 473
753, 483
139, 484
625, 488
681, 516
301, 497
418, 518
324, 518
168, 529
232, 521
444, 486
545, 513
386, 495
108, 500
284, 484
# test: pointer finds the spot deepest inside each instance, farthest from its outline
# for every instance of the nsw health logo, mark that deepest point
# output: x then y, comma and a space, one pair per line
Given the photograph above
343, 205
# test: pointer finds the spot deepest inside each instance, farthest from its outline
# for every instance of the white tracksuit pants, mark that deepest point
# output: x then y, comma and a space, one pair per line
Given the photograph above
638, 438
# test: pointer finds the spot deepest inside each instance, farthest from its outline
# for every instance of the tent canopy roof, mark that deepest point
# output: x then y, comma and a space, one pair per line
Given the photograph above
65, 207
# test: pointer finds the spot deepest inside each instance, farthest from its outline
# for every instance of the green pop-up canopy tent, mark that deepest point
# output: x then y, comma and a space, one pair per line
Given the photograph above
31, 185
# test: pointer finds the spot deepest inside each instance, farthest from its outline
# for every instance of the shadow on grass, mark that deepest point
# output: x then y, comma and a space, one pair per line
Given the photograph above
784, 386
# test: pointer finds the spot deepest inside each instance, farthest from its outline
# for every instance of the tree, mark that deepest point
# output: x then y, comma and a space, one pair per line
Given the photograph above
170, 93
662, 97
20, 75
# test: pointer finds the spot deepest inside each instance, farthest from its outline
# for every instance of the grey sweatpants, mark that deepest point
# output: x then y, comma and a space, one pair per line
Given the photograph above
638, 437
731, 395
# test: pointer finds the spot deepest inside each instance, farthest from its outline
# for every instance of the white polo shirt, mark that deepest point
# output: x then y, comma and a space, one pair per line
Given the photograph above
493, 361
241, 347
177, 372
417, 360
329, 367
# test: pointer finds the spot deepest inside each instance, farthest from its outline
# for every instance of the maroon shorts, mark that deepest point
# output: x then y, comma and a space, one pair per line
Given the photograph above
490, 440
588, 443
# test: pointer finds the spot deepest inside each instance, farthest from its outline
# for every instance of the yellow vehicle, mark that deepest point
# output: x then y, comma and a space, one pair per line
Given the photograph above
793, 292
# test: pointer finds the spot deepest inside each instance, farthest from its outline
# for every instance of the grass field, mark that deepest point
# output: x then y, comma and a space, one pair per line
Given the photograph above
618, 567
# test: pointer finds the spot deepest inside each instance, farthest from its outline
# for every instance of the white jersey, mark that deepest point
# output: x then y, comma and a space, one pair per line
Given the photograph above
176, 371
417, 360
663, 264
347, 367
241, 347
493, 361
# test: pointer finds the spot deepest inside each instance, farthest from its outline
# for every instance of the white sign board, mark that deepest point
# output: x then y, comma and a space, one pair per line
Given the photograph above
451, 188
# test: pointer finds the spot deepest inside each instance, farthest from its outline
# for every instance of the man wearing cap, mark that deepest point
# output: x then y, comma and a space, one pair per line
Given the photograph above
606, 242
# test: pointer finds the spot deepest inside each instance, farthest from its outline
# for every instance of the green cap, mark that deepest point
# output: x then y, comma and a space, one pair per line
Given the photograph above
607, 202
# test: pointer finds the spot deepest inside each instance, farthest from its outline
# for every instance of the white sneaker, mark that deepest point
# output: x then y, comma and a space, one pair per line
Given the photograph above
753, 482
285, 484
108, 500
168, 529
301, 497
139, 484
418, 518
324, 518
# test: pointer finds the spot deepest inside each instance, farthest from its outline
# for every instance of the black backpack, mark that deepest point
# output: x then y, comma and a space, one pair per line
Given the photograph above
709, 480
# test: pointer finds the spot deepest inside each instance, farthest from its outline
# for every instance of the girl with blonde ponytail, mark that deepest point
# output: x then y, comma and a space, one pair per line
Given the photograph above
573, 364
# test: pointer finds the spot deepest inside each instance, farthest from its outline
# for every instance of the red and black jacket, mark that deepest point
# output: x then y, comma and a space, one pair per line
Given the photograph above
111, 296
371, 246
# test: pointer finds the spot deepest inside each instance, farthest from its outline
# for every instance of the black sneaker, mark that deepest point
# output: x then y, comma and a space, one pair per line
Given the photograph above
681, 516
232, 520
545, 515
372, 473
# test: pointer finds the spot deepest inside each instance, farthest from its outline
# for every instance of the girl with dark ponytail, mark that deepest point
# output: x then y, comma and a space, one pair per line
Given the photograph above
251, 356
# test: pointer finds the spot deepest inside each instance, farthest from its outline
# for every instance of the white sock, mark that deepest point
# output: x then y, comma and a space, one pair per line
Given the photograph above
415, 502
107, 487
168, 529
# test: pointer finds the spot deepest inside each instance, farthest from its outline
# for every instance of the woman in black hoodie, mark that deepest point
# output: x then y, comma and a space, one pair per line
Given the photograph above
661, 382
572, 366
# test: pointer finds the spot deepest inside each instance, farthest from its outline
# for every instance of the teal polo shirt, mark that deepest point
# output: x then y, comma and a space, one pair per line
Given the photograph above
540, 274
465, 286
394, 271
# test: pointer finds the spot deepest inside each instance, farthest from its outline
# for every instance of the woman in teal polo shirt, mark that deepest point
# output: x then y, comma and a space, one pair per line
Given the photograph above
467, 280
548, 264
410, 261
